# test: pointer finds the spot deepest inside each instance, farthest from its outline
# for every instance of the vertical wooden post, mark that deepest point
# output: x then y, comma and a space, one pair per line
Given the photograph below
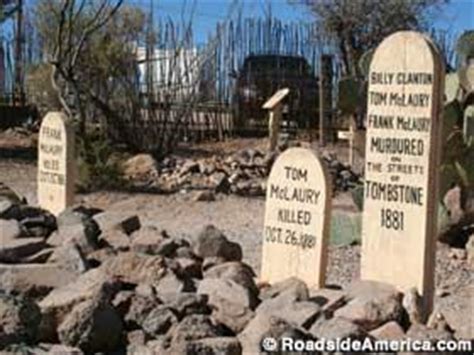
274, 123
275, 108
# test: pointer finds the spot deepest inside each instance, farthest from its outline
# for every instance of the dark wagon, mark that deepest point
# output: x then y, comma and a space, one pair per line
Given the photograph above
260, 77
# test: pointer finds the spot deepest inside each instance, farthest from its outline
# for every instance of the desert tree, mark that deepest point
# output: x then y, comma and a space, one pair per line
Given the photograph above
67, 30
360, 25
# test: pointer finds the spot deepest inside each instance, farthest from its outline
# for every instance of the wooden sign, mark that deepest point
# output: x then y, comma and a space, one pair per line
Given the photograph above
56, 163
401, 168
276, 99
296, 223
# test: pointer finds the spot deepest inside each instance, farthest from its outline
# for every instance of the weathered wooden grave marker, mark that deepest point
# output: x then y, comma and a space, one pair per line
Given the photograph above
297, 213
274, 105
56, 163
401, 168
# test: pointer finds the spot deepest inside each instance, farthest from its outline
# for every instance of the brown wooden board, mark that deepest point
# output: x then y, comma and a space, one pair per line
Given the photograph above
276, 99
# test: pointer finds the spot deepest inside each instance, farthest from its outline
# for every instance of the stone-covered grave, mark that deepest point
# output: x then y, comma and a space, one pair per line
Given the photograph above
89, 281
242, 173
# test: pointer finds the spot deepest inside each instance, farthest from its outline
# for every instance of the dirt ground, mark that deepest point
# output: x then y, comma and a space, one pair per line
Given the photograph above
240, 218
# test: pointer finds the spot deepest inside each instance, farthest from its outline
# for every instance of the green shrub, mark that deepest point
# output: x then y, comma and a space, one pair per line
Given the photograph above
98, 167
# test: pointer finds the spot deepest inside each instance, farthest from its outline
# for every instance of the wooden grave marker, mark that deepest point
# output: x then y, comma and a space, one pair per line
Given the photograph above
402, 161
56, 163
274, 105
297, 213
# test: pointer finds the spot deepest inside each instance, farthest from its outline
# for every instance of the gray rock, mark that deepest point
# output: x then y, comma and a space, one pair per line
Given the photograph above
147, 240
168, 247
170, 285
189, 167
39, 257
328, 299
137, 337
70, 257
34, 279
231, 303
185, 252
93, 326
14, 250
300, 313
84, 235
122, 221
19, 320
75, 215
10, 229
35, 221
235, 271
211, 242
455, 312
46, 349
371, 304
291, 286
413, 304
145, 290
228, 289
338, 328
219, 182
452, 202
7, 208
122, 301
135, 268
470, 251
93, 284
263, 326
211, 262
215, 346
139, 167
139, 309
193, 327
187, 303
116, 239
189, 267
159, 321
204, 196
389, 331
139, 349
130, 225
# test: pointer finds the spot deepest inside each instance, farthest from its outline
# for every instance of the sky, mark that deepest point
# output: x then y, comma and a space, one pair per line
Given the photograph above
457, 17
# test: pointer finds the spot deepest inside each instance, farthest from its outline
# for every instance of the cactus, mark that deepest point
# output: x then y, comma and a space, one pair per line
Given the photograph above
468, 124
350, 95
451, 87
466, 77
465, 47
364, 62
345, 228
357, 194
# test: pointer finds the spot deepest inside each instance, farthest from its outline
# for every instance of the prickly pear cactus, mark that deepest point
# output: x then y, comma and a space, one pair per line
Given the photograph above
466, 78
451, 87
465, 47
345, 228
468, 124
452, 119
357, 194
364, 62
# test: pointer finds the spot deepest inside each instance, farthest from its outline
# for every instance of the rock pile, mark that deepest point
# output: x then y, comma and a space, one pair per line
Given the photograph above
243, 173
92, 281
